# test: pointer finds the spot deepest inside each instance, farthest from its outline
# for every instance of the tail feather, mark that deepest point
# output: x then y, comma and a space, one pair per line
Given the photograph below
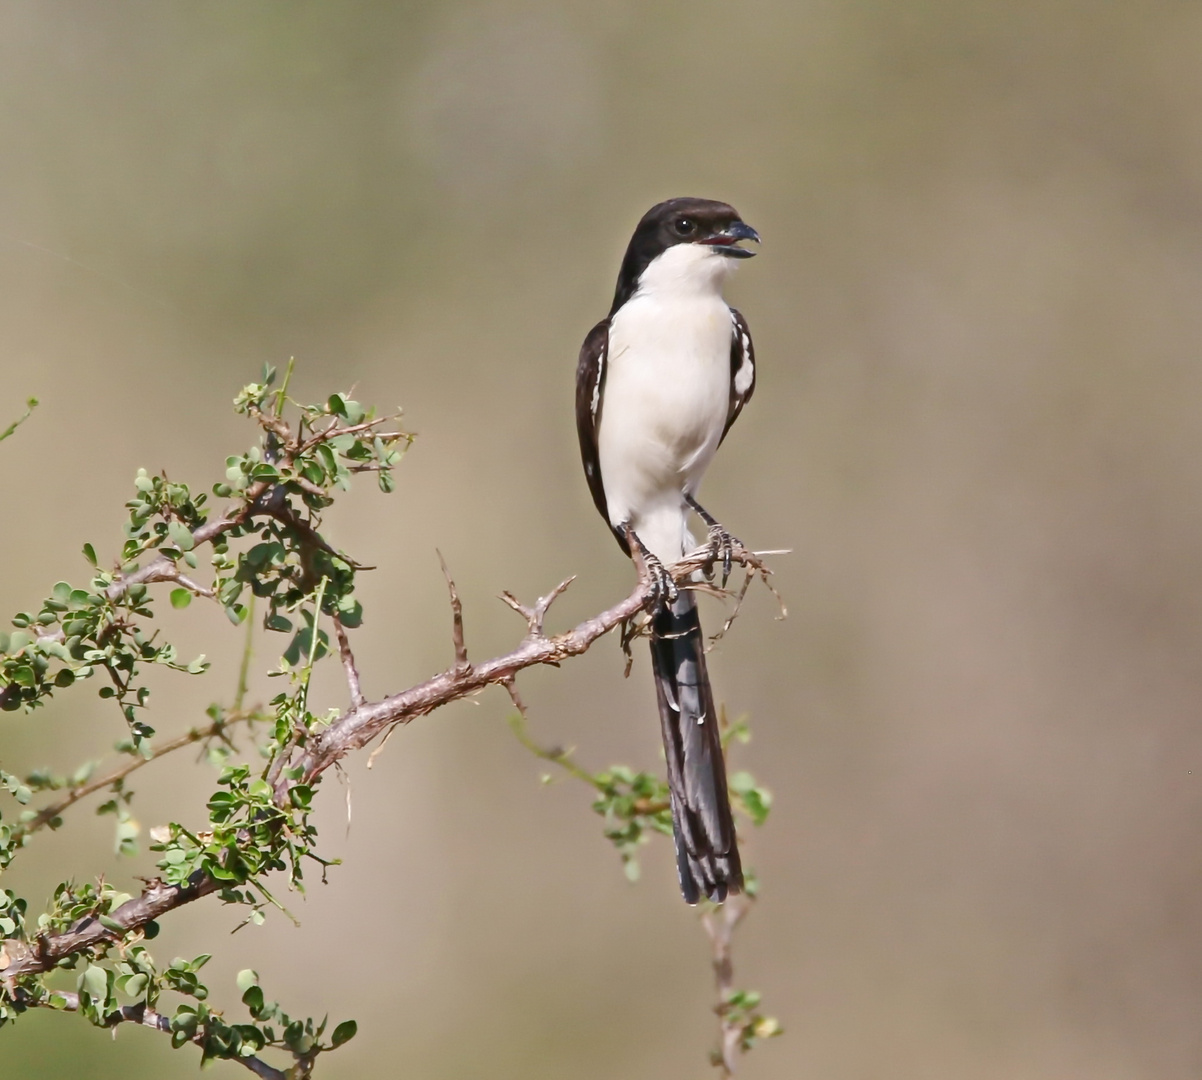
707, 856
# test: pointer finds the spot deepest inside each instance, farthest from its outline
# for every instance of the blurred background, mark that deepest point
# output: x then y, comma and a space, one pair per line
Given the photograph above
977, 426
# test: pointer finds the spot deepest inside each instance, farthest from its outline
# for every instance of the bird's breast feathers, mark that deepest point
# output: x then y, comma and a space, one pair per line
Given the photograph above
667, 393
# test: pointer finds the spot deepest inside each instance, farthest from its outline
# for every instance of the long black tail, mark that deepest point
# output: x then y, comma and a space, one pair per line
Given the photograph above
707, 856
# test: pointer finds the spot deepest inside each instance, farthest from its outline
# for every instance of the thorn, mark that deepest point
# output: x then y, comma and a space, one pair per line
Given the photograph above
462, 666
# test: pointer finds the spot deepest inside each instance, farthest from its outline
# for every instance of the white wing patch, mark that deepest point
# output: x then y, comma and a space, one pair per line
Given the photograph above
746, 370
597, 388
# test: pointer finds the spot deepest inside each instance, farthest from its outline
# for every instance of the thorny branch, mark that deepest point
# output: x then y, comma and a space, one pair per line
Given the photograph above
462, 667
309, 753
354, 730
147, 1017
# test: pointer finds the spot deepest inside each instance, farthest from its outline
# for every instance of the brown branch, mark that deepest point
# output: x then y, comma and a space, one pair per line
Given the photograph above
720, 923
352, 731
348, 664
144, 1015
262, 497
25, 958
462, 666
361, 725
193, 586
534, 616
164, 569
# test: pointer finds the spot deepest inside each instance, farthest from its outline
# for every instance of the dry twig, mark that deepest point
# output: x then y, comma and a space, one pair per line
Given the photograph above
720, 923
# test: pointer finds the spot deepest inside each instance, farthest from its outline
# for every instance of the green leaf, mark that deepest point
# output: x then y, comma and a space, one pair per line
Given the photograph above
247, 978
253, 999
94, 983
344, 1032
89, 553
180, 598
181, 535
135, 985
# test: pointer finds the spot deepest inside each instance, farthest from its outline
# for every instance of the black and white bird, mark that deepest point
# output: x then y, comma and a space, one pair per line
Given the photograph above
659, 383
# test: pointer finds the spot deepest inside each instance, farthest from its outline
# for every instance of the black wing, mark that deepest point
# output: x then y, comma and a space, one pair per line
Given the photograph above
742, 368
590, 392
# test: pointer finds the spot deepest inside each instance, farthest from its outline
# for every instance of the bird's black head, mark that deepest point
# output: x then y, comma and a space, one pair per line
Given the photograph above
716, 225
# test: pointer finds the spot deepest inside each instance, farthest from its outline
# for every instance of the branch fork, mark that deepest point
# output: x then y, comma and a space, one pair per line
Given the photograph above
535, 616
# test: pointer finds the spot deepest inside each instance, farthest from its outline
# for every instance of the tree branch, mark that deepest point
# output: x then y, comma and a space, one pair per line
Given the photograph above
348, 664
157, 899
352, 731
720, 926
147, 1017
462, 666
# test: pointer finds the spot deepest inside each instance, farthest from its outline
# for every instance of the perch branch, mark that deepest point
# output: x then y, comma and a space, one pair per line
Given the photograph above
352, 731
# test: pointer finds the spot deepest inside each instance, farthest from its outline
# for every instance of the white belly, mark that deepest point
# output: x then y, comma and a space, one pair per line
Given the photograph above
667, 392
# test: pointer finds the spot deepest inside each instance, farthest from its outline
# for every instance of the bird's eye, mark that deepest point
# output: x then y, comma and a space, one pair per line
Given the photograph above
685, 226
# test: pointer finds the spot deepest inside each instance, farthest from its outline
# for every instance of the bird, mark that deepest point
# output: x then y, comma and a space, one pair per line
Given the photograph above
659, 382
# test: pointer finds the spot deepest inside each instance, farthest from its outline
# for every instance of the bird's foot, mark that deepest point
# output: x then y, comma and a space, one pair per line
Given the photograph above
663, 588
721, 547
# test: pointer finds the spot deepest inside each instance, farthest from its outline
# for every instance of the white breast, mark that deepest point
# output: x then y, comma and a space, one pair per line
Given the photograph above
667, 392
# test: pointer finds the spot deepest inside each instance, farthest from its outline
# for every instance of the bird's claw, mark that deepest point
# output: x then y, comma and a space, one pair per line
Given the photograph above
722, 547
663, 588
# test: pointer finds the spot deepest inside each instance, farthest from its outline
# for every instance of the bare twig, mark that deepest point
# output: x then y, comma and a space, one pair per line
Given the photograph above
348, 664
462, 666
535, 616
720, 923
361, 725
147, 1017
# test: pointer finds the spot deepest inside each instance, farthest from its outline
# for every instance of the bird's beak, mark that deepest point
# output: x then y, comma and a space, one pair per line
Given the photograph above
727, 240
